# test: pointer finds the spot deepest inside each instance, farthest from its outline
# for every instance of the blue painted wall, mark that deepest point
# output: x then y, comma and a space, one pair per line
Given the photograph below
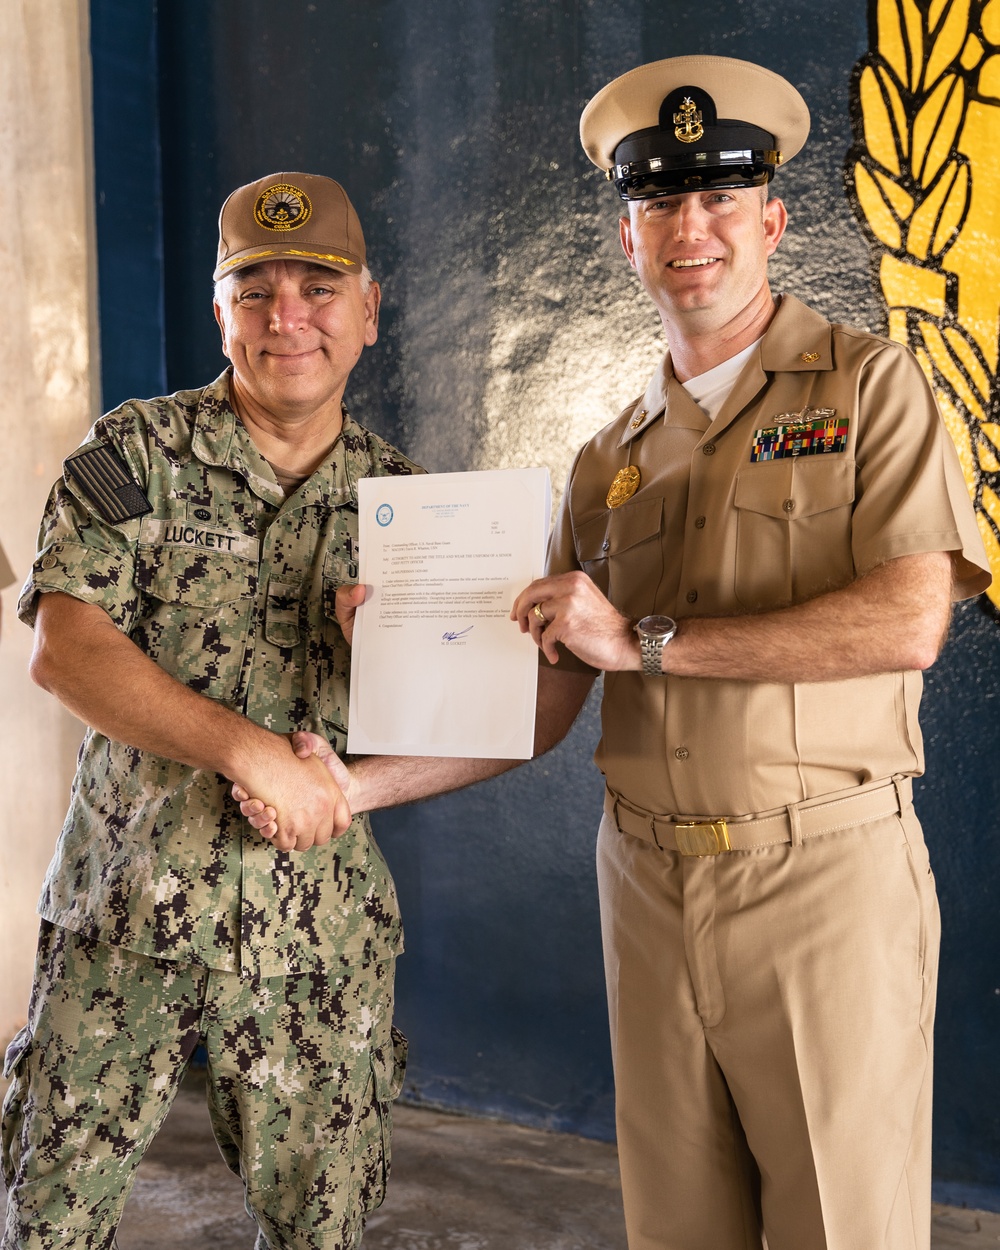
453, 125
128, 197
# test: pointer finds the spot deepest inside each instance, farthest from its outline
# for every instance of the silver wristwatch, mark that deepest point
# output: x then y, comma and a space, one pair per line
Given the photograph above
654, 634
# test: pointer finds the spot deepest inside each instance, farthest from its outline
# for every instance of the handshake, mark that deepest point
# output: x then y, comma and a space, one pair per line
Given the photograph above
298, 793
311, 796
310, 799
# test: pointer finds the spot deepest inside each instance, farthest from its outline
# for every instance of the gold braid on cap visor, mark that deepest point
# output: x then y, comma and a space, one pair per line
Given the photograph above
285, 251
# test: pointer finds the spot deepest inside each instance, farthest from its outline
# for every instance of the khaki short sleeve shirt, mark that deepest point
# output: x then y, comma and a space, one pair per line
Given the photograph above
230, 588
828, 458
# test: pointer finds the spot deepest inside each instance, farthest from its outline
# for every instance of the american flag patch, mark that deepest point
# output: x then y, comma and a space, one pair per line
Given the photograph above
825, 434
104, 478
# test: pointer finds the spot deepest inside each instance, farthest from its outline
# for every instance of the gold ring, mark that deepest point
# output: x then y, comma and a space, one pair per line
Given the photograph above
540, 614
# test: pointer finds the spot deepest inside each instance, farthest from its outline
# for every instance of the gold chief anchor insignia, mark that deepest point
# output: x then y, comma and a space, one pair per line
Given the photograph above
687, 122
624, 486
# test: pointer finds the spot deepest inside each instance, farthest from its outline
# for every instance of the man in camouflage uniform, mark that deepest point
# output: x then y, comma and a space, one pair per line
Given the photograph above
184, 604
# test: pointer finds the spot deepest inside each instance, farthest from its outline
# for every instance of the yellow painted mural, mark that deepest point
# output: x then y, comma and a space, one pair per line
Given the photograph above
924, 181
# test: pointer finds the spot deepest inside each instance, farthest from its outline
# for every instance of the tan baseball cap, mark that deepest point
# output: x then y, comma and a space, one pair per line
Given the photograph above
300, 216
693, 123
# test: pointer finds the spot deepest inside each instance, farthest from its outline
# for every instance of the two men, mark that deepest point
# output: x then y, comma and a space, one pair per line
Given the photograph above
760, 554
781, 516
183, 600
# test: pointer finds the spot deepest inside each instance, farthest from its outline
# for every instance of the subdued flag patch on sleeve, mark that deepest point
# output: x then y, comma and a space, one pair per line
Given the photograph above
103, 476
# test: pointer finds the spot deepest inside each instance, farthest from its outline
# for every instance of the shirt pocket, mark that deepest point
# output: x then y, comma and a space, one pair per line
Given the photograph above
793, 529
621, 552
196, 616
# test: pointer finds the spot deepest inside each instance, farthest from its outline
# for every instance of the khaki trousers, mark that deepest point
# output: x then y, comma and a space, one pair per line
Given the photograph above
771, 1022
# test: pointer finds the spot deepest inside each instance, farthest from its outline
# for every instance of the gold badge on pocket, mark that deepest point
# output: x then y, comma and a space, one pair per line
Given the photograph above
624, 486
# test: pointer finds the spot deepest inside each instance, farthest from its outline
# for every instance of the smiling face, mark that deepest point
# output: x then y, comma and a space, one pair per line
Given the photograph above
702, 256
293, 332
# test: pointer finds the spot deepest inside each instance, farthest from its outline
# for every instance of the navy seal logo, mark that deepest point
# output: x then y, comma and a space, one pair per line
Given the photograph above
282, 207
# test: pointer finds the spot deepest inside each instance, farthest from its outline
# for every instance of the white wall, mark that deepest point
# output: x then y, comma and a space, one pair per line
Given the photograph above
48, 363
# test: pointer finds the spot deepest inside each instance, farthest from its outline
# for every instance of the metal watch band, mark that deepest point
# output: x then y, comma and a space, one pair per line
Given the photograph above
652, 655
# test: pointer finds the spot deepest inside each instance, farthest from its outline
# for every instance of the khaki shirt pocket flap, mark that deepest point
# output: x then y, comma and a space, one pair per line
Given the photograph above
619, 529
791, 489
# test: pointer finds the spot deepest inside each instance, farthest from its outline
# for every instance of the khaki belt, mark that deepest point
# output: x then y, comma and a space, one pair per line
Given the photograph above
713, 835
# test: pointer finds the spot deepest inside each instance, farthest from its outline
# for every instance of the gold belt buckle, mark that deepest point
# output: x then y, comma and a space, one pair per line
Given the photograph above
703, 837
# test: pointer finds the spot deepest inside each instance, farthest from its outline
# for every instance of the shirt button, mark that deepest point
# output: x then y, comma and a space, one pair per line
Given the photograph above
606, 545
789, 505
699, 523
49, 562
692, 596
708, 449
682, 753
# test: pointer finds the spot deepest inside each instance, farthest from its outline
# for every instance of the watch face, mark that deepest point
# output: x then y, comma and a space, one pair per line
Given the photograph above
657, 625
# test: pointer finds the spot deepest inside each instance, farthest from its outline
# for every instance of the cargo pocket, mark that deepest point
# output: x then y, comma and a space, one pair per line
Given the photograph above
13, 1104
373, 1142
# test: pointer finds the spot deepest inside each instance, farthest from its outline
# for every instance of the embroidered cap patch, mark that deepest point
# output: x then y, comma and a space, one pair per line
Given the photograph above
282, 207
824, 435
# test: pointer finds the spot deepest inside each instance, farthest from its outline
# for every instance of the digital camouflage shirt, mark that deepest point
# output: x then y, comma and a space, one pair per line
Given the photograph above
230, 588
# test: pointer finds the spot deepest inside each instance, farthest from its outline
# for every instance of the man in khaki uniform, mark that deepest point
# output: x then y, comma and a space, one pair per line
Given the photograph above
760, 554
787, 491
183, 600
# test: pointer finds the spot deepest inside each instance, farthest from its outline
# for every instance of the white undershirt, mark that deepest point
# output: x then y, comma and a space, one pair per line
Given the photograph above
710, 390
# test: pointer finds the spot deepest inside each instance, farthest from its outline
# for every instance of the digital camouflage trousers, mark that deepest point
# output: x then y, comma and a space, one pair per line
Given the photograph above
302, 1071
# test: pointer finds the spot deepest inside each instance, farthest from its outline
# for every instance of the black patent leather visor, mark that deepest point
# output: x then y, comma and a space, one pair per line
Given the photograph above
702, 171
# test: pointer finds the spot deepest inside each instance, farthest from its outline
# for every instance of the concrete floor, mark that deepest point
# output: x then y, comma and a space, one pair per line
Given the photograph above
457, 1184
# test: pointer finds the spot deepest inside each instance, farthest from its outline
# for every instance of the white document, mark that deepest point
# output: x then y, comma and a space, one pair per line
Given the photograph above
437, 666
